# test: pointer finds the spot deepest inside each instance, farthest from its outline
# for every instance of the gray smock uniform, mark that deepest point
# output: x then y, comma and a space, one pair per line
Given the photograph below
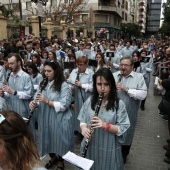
22, 84
133, 81
126, 52
145, 72
115, 60
80, 94
3, 104
55, 128
105, 147
2, 74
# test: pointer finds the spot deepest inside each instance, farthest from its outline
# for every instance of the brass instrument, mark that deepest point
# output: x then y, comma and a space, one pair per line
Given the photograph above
90, 127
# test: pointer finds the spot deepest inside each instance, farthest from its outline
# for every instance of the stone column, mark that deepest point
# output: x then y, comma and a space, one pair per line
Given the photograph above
3, 27
92, 30
84, 30
72, 27
35, 26
64, 29
50, 27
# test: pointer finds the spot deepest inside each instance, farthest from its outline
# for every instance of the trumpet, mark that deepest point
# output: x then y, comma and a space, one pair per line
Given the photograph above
90, 126
43, 84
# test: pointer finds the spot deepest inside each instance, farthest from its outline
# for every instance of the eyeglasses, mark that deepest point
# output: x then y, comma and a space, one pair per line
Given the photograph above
2, 118
125, 65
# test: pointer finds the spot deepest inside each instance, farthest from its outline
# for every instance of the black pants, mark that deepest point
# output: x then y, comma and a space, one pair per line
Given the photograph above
125, 151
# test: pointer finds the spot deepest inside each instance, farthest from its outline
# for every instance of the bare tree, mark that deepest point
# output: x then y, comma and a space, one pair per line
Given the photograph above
67, 11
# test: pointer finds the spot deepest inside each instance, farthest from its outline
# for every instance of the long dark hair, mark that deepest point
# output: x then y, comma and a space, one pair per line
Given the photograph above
58, 74
18, 141
113, 100
34, 69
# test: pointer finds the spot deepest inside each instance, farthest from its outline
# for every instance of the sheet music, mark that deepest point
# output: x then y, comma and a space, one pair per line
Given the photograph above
78, 161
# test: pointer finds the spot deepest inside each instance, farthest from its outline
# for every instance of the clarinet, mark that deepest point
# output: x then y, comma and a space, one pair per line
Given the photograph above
120, 77
43, 85
90, 127
7, 78
78, 76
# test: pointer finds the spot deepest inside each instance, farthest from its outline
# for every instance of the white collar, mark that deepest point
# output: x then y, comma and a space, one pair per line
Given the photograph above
18, 74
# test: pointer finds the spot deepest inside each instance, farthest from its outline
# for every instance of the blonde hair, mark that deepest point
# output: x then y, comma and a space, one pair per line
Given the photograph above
82, 59
18, 142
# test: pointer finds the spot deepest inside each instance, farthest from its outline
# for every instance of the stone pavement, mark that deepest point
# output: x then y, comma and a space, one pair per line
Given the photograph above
150, 136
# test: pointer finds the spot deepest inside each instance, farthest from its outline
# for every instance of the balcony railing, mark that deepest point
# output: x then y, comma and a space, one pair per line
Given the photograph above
106, 7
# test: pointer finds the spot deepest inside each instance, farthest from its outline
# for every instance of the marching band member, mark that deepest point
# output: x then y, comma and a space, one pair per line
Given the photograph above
110, 125
81, 77
19, 90
54, 116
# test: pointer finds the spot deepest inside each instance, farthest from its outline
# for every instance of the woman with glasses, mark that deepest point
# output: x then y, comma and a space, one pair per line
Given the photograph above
17, 147
81, 84
54, 116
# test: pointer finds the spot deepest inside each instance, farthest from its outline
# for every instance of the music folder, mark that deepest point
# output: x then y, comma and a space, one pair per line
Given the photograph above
92, 63
69, 65
145, 59
110, 54
23, 52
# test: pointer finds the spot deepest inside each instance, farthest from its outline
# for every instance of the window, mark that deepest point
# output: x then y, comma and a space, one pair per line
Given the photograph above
85, 17
28, 5
15, 6
125, 17
118, 4
101, 18
126, 5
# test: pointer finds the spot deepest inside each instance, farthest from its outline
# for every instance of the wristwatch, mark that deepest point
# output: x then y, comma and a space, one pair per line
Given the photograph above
15, 93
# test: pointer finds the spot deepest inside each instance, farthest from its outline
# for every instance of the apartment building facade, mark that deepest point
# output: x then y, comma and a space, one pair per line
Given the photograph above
107, 14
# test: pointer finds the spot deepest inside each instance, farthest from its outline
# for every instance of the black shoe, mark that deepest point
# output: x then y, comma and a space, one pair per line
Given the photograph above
142, 107
165, 117
76, 132
161, 114
167, 154
167, 160
166, 147
168, 140
124, 160
50, 164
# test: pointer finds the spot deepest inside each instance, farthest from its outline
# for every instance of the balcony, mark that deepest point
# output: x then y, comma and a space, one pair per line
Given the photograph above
142, 25
142, 14
141, 7
144, 1
109, 7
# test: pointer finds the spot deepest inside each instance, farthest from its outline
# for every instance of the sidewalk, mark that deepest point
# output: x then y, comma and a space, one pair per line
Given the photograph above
147, 151
151, 133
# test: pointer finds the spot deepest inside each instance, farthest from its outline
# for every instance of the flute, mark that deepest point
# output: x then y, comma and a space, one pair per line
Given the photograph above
42, 86
90, 126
